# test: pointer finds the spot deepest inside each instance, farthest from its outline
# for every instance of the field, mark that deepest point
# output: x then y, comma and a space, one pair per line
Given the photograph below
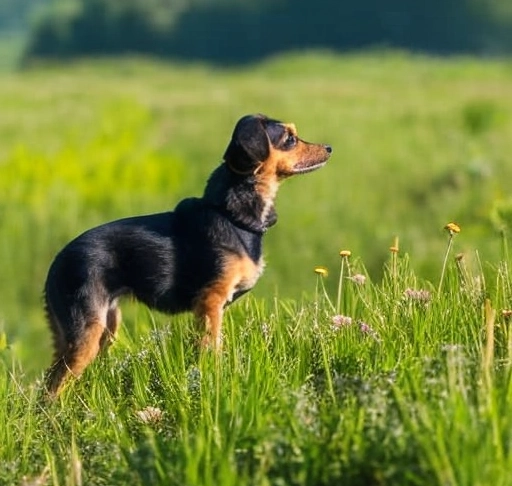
393, 369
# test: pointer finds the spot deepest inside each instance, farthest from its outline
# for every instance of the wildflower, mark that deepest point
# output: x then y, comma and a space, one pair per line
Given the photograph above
39, 480
452, 348
322, 271
394, 248
368, 330
365, 328
422, 296
461, 268
149, 415
265, 329
339, 321
452, 228
344, 254
194, 381
358, 279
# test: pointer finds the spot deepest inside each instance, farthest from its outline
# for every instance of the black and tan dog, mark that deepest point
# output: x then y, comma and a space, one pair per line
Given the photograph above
199, 258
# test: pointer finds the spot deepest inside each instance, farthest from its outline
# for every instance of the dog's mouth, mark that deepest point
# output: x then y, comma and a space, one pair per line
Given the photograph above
304, 168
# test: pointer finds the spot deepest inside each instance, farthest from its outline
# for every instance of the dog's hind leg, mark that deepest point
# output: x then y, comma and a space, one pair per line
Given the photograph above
110, 332
76, 357
58, 371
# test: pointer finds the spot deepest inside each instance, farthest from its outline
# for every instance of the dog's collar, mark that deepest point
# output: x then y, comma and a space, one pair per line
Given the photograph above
246, 173
255, 229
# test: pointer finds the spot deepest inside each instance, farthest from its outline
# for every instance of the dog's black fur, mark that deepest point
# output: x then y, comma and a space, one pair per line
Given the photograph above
200, 257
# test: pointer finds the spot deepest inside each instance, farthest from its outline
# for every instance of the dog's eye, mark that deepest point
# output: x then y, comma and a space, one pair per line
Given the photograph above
290, 141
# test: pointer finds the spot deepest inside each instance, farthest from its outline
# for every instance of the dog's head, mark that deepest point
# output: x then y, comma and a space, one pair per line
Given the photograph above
267, 148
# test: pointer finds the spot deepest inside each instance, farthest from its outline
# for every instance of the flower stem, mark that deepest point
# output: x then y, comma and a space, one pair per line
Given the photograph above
450, 241
340, 285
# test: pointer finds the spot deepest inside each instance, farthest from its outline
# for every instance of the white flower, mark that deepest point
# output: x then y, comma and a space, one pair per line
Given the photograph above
149, 415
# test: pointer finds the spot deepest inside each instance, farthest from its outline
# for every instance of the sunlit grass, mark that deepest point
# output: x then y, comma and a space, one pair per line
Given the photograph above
416, 141
391, 364
407, 384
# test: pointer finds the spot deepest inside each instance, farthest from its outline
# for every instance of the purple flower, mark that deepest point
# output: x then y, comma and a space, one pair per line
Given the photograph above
365, 328
339, 321
368, 330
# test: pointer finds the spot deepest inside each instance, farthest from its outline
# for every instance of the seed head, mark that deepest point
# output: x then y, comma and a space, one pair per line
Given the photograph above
414, 295
149, 415
345, 253
322, 271
358, 278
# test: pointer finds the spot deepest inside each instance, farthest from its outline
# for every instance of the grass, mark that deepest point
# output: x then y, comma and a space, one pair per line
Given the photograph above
395, 371
407, 385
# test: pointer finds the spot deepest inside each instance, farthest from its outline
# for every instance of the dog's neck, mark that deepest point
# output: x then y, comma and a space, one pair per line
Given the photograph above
237, 198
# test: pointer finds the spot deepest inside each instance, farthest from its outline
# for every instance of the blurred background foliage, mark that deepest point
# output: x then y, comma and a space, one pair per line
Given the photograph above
419, 140
235, 31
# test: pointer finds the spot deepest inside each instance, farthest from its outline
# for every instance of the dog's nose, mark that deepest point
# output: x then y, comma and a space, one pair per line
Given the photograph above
328, 148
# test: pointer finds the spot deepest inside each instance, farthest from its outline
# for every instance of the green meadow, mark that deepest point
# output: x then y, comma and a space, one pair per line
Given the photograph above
393, 367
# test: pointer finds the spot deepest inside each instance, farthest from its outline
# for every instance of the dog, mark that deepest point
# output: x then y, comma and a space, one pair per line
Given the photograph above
199, 257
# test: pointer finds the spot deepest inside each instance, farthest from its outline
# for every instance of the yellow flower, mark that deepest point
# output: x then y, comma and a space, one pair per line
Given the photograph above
452, 228
322, 271
394, 247
345, 253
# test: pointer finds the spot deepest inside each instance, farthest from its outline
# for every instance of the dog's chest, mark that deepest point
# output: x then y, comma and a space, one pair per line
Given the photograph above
245, 274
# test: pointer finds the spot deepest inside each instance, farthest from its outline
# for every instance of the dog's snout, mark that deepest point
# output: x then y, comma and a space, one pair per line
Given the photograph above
328, 148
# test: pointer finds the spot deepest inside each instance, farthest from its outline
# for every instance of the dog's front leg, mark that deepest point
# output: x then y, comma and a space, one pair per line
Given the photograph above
239, 275
209, 310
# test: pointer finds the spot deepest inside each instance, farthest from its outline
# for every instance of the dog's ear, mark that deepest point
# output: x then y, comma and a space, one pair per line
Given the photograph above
249, 145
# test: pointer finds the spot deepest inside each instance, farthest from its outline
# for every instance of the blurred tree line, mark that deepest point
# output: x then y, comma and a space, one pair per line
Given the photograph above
233, 31
14, 14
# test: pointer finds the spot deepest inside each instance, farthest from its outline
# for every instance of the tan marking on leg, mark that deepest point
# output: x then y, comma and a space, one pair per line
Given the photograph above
87, 349
55, 377
209, 312
110, 332
239, 273
76, 358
